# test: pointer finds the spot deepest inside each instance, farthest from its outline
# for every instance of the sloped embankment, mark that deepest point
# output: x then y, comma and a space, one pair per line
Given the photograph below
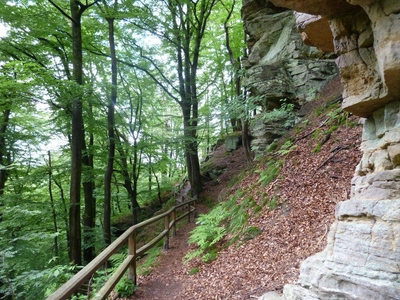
314, 177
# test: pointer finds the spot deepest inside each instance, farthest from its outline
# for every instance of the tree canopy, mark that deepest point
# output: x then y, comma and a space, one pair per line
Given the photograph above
104, 105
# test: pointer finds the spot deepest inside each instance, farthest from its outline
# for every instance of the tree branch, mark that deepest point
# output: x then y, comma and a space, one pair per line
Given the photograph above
152, 76
61, 11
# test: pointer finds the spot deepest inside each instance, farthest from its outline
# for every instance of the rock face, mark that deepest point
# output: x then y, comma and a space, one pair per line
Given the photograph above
366, 37
232, 143
280, 66
362, 258
268, 127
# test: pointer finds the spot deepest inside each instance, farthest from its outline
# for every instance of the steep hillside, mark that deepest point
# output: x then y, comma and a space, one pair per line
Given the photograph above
297, 208
311, 182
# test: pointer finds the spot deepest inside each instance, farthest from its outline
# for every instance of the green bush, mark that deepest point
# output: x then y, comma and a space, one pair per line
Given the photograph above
317, 148
286, 148
150, 261
227, 217
251, 232
272, 147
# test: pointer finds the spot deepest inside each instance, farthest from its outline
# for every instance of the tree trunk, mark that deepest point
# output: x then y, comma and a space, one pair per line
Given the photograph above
158, 187
127, 180
3, 154
135, 171
65, 210
89, 215
238, 88
246, 141
111, 135
75, 254
191, 151
53, 209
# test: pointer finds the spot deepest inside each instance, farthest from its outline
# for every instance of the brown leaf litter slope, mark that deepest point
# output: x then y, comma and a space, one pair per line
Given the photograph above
308, 187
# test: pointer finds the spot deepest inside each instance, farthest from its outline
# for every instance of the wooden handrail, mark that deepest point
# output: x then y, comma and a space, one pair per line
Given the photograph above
129, 236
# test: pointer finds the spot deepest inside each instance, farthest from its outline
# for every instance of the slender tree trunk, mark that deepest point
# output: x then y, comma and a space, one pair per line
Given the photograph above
89, 215
53, 209
111, 135
3, 154
65, 210
158, 187
134, 205
135, 171
238, 88
75, 253
117, 198
246, 141
150, 184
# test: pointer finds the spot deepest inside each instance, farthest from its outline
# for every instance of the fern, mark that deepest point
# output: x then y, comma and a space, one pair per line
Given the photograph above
283, 114
117, 258
208, 232
125, 287
270, 173
286, 148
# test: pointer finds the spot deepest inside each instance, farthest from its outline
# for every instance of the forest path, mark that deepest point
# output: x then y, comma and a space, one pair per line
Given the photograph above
170, 279
167, 279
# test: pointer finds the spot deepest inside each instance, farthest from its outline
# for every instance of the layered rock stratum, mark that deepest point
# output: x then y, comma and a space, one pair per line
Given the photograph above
280, 67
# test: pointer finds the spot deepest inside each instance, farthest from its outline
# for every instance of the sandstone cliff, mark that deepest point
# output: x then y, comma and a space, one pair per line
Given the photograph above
280, 66
362, 258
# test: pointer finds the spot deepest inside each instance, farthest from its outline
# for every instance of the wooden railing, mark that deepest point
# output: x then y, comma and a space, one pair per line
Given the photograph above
129, 236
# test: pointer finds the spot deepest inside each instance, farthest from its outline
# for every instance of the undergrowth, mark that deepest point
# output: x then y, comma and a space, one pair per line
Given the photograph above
149, 262
270, 173
230, 217
208, 232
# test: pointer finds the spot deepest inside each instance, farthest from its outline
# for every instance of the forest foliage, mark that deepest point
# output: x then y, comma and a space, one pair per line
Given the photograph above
104, 106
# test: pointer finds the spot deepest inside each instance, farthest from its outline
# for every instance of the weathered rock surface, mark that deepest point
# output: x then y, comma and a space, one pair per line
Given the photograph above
280, 66
315, 31
366, 38
381, 140
362, 258
316, 7
266, 130
233, 142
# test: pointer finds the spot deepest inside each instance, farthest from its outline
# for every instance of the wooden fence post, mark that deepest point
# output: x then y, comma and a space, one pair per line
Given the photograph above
132, 251
166, 238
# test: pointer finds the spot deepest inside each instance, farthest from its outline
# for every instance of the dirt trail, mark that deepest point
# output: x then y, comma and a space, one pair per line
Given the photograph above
165, 282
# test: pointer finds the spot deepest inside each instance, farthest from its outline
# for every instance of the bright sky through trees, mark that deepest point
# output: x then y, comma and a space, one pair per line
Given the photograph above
3, 30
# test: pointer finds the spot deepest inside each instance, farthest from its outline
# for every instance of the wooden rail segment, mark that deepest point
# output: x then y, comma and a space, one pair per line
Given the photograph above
129, 236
